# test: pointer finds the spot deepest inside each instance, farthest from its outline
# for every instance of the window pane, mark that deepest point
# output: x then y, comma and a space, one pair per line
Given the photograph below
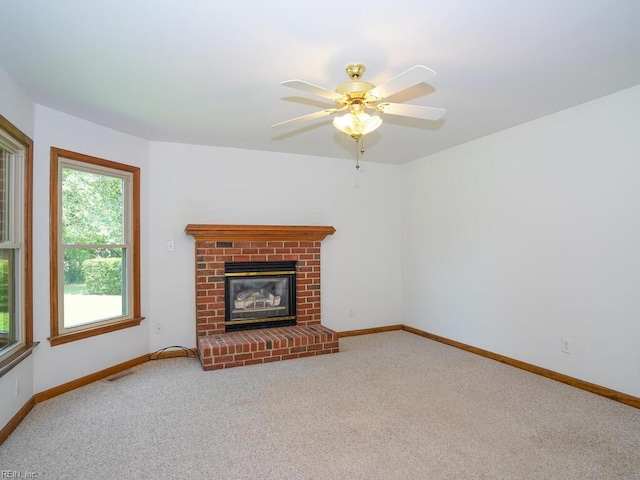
8, 330
94, 285
92, 208
5, 157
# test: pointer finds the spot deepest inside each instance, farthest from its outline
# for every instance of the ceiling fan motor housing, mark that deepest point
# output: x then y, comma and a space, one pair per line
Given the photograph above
355, 89
355, 93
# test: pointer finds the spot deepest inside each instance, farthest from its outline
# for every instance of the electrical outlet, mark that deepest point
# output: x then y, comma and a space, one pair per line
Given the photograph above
351, 313
566, 345
171, 246
158, 328
17, 386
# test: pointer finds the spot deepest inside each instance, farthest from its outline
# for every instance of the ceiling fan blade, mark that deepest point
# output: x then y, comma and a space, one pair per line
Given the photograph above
409, 78
306, 118
415, 111
313, 89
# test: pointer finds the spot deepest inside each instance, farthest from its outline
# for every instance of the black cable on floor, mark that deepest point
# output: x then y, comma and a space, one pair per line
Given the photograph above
186, 352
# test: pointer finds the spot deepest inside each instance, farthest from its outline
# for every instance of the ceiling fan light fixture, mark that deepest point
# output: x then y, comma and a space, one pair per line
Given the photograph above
357, 126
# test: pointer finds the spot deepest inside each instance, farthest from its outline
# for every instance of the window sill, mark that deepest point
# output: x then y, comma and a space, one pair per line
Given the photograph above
16, 357
92, 332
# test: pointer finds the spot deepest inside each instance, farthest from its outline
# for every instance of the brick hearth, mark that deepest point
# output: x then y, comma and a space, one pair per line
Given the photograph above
217, 244
251, 347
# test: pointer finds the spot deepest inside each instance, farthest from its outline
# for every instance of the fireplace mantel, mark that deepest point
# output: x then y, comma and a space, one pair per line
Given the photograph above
258, 232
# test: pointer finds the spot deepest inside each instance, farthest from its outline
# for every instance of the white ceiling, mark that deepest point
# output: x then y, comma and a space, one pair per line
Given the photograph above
207, 72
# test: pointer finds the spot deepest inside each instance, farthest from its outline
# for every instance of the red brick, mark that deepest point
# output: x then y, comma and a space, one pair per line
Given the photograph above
243, 356
202, 300
263, 353
222, 358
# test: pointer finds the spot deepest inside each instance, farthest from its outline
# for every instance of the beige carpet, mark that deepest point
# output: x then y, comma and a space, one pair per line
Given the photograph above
388, 406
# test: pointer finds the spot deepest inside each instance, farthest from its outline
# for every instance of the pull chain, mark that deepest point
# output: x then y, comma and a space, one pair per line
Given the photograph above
359, 151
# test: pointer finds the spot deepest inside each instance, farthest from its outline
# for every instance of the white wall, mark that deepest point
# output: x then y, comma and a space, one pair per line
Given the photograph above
60, 364
516, 240
16, 107
361, 267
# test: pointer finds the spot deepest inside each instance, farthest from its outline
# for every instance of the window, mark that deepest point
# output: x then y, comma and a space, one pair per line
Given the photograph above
16, 327
95, 246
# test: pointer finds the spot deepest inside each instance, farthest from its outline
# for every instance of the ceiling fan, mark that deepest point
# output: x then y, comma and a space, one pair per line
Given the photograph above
357, 96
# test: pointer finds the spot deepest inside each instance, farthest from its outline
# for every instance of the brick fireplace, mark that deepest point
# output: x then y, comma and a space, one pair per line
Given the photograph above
219, 245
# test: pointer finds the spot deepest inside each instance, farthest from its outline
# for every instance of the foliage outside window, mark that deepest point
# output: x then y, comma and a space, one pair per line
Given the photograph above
95, 268
16, 337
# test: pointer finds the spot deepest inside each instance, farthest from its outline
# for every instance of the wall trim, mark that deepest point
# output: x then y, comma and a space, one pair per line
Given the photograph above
368, 331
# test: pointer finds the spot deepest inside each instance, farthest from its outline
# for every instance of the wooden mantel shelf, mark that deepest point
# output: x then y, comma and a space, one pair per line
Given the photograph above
258, 232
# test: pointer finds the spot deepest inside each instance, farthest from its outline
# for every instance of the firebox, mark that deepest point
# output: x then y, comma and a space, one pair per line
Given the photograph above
259, 295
